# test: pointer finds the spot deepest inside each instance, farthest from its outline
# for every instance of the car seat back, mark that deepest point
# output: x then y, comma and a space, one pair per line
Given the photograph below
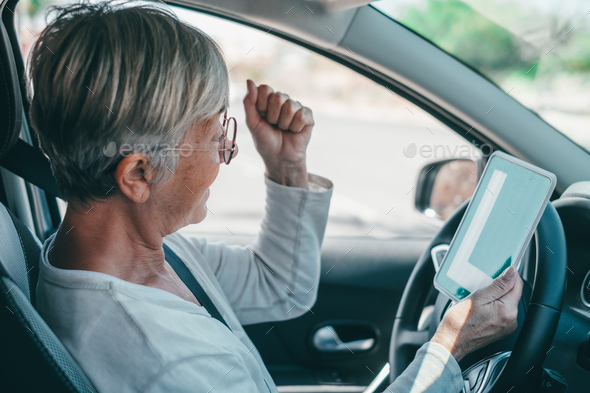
32, 359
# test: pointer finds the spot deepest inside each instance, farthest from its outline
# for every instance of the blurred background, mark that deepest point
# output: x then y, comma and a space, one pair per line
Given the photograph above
536, 51
371, 143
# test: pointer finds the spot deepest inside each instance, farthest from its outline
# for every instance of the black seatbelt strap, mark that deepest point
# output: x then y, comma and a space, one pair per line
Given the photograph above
31, 164
191, 282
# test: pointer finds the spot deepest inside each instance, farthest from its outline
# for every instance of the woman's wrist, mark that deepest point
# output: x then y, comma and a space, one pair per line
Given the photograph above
449, 344
288, 174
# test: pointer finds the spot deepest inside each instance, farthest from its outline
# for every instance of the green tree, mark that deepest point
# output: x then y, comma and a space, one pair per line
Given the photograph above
473, 38
33, 6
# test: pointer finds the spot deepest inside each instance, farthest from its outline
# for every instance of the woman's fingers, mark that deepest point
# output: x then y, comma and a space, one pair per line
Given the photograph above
281, 111
292, 116
288, 111
515, 292
498, 289
302, 118
264, 92
250, 100
274, 106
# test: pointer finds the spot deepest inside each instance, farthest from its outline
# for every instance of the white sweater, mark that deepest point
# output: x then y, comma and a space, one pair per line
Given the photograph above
133, 338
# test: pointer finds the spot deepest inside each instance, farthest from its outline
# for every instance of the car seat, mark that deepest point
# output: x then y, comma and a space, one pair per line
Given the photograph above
32, 357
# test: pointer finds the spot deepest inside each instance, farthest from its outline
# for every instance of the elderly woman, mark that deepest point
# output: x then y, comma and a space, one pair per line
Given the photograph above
130, 105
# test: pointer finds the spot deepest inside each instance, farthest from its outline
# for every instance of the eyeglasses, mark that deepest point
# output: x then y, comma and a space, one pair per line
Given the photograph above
228, 140
230, 132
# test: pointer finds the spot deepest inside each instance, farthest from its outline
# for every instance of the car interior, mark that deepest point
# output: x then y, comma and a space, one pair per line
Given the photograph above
377, 305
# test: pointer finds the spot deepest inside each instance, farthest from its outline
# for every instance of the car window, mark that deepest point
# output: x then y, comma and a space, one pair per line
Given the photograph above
537, 51
368, 141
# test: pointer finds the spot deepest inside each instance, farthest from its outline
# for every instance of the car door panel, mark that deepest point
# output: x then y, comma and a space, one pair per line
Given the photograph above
358, 297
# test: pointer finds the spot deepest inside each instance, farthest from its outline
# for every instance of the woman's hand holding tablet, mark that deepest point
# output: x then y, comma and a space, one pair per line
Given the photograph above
497, 226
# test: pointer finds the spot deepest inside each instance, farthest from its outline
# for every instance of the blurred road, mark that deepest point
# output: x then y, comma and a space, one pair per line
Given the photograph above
374, 182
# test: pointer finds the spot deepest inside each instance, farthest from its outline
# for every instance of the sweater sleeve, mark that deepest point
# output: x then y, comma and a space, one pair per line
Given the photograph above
276, 278
433, 370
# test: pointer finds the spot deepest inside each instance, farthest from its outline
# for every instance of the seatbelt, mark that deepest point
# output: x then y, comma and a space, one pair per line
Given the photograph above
31, 164
191, 282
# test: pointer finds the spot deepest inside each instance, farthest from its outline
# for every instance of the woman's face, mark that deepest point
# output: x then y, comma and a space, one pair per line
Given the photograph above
186, 192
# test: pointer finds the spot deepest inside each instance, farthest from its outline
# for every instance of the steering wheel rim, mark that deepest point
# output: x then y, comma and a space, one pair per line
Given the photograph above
536, 332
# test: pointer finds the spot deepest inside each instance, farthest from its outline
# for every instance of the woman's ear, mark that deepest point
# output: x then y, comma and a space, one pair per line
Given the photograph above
133, 176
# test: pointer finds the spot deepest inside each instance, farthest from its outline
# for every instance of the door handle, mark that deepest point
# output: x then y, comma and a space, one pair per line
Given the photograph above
326, 340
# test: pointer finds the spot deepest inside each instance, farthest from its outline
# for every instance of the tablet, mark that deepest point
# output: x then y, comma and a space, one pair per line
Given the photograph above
500, 220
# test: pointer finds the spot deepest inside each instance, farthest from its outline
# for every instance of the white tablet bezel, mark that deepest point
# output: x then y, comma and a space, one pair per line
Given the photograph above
523, 247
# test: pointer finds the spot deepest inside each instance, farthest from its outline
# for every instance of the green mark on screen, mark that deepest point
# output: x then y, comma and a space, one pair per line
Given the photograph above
462, 293
503, 267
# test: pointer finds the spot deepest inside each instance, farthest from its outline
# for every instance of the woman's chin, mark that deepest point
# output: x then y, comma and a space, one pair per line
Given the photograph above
199, 214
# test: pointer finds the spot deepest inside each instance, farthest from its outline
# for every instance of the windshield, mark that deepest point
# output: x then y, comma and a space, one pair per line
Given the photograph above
536, 51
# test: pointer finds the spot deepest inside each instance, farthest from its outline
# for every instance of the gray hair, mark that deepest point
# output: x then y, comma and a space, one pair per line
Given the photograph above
114, 74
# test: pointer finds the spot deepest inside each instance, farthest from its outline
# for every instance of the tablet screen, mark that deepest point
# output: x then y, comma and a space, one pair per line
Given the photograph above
499, 222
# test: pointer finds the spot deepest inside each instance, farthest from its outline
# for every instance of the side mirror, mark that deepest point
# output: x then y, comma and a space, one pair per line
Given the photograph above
444, 185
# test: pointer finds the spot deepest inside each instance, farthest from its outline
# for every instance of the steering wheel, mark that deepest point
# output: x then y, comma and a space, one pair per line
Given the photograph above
502, 371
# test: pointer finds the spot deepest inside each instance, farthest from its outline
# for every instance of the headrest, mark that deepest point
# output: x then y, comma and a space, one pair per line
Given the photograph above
580, 189
11, 110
